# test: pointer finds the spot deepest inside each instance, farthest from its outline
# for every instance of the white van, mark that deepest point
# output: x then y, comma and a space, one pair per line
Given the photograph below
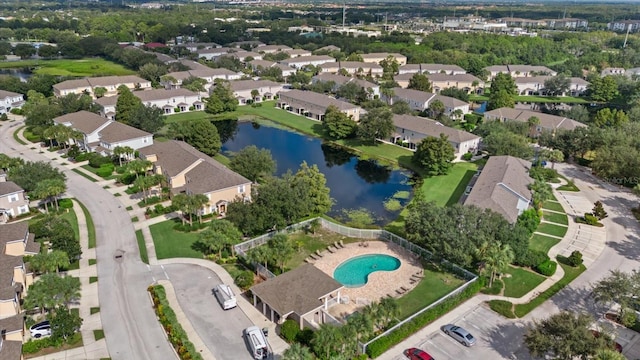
257, 342
225, 296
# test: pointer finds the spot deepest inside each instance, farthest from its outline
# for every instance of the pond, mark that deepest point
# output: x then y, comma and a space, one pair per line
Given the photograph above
23, 73
354, 183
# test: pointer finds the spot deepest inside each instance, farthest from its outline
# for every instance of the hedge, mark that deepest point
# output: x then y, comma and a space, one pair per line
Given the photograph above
383, 344
176, 334
503, 307
547, 268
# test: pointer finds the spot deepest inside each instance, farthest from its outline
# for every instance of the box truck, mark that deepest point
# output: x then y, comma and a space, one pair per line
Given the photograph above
225, 296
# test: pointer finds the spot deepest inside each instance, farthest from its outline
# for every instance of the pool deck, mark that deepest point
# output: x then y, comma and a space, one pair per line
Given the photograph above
380, 283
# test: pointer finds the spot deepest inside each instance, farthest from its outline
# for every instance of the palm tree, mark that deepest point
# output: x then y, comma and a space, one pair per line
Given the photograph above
198, 201
541, 193
326, 340
259, 255
297, 351
118, 151
139, 166
181, 202
362, 326
146, 183
607, 354
436, 108
50, 134
388, 94
56, 187
254, 94
388, 309
7, 162
496, 258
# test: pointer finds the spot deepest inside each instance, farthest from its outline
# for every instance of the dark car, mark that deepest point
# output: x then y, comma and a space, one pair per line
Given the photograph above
461, 335
417, 354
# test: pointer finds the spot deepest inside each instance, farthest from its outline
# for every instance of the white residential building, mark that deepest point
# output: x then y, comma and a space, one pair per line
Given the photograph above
259, 65
420, 101
439, 81
517, 71
10, 100
535, 86
352, 68
378, 57
109, 83
174, 80
270, 49
314, 105
266, 90
170, 101
302, 61
431, 69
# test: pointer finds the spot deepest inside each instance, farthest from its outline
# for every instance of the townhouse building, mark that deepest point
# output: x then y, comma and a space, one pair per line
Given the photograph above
547, 122
421, 101
109, 83
517, 71
431, 69
302, 61
174, 80
13, 200
352, 68
378, 57
314, 105
10, 100
534, 85
253, 91
373, 90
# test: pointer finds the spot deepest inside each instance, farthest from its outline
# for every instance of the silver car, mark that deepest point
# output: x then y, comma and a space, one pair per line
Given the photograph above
461, 335
40, 329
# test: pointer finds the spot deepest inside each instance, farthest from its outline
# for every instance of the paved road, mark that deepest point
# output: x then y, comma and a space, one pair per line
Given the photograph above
220, 330
130, 326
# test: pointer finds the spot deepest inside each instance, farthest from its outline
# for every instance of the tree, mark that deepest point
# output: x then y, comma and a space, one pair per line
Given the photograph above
401, 108
30, 174
99, 91
199, 133
147, 118
281, 250
220, 234
221, 99
454, 92
390, 67
508, 143
253, 163
495, 258
152, 72
49, 262
434, 154
139, 166
189, 204
260, 255
64, 323
420, 82
578, 113
146, 183
555, 156
318, 197
607, 354
610, 118
194, 84
337, 124
353, 92
603, 89
503, 91
50, 189
541, 192
557, 85
51, 291
376, 124
621, 288
126, 104
565, 335
25, 51
327, 341
436, 109
297, 351
598, 210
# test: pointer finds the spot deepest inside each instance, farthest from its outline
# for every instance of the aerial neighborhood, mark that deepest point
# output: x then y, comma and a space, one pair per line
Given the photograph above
275, 180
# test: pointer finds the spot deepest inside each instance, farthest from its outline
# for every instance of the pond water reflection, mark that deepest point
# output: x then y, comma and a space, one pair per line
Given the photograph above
354, 183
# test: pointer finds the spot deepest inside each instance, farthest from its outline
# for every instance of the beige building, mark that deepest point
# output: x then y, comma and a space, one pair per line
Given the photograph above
431, 69
174, 80
314, 105
13, 200
244, 90
421, 101
373, 90
439, 81
517, 71
352, 68
411, 130
547, 122
378, 57
109, 83
302, 61
190, 171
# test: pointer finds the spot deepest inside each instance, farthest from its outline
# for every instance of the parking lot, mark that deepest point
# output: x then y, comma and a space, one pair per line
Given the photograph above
496, 337
220, 330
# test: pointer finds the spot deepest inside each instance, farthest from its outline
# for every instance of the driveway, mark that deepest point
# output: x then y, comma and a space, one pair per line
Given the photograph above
220, 330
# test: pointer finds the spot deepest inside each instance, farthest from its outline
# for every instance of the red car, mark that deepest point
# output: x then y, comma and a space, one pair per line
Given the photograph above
417, 354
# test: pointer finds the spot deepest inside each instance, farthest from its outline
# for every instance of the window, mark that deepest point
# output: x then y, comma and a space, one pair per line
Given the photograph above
241, 189
13, 198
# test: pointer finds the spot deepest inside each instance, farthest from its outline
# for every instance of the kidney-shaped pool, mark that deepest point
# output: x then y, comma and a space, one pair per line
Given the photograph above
355, 271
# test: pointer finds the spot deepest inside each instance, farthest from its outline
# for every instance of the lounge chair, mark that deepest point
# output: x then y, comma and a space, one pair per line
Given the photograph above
335, 245
399, 291
318, 253
341, 243
308, 260
313, 257
330, 249
404, 289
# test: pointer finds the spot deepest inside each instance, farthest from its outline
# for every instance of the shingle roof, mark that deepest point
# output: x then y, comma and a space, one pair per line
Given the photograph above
542, 79
241, 85
107, 101
212, 176
272, 48
502, 182
381, 54
298, 290
264, 63
318, 99
310, 58
547, 121
352, 65
431, 127
84, 121
72, 84
432, 67
450, 102
32, 246
11, 324
415, 95
341, 80
299, 52
519, 68
11, 350
6, 94
9, 187
114, 80
162, 94
7, 264
115, 132
13, 232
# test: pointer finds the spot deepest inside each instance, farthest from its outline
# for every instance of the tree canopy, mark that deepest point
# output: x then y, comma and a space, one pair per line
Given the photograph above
253, 163
434, 155
199, 133
376, 124
338, 124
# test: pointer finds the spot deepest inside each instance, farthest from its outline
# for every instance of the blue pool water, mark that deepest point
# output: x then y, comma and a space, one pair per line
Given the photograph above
355, 271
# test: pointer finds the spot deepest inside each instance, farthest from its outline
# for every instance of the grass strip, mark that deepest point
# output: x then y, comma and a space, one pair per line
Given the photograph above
81, 173
142, 246
17, 138
91, 228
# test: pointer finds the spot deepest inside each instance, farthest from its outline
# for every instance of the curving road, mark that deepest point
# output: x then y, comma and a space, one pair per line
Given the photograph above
130, 325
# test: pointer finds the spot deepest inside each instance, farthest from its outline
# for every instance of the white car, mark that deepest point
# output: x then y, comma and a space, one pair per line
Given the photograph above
40, 329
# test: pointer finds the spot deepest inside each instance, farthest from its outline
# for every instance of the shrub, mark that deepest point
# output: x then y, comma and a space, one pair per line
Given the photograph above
105, 170
545, 174
65, 203
383, 344
4, 117
255, 105
575, 259
547, 268
502, 307
305, 336
289, 330
590, 219
532, 258
529, 219
467, 156
82, 156
244, 280
97, 160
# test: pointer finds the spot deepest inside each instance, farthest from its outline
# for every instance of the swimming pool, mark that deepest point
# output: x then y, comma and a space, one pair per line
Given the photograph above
355, 271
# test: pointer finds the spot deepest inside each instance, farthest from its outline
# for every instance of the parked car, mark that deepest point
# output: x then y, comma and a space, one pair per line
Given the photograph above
461, 335
40, 329
417, 354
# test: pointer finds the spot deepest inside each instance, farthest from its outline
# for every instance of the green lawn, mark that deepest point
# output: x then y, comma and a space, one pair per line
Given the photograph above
185, 116
551, 229
555, 217
71, 217
542, 243
71, 67
84, 175
433, 286
142, 247
98, 334
550, 205
307, 243
570, 273
91, 229
444, 190
170, 243
520, 282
